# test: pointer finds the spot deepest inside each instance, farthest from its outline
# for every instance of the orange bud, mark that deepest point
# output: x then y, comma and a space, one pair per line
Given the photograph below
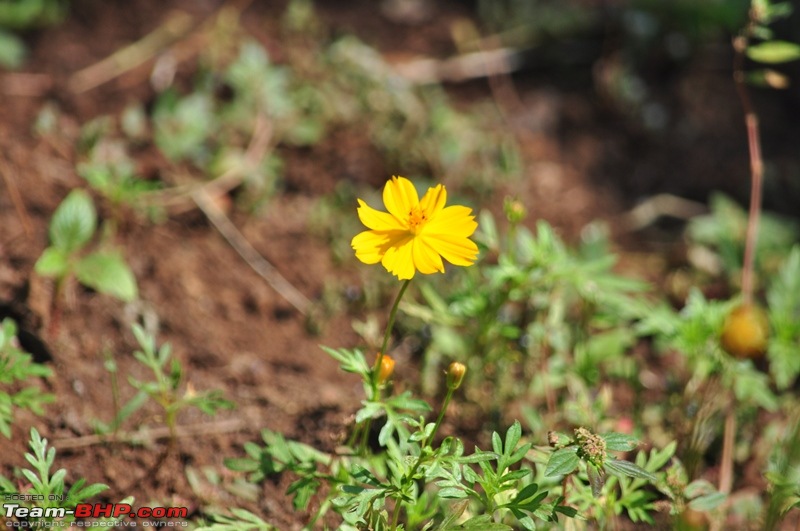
386, 369
746, 332
455, 375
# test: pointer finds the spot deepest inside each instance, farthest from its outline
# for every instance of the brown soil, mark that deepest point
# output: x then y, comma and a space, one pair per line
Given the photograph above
232, 331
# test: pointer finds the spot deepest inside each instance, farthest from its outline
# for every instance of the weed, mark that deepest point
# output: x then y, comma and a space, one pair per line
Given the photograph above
46, 495
71, 229
17, 366
165, 388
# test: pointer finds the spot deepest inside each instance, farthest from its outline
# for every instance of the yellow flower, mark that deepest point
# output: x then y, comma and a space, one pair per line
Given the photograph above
415, 235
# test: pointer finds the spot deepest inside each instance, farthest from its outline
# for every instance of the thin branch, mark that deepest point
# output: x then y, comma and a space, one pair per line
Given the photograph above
259, 264
756, 162
133, 55
152, 434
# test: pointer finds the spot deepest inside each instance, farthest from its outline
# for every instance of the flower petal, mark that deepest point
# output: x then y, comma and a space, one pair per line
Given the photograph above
426, 260
454, 220
398, 259
400, 197
370, 246
375, 219
458, 250
433, 201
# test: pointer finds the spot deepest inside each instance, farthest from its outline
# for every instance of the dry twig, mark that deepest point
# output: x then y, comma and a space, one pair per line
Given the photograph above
259, 264
152, 434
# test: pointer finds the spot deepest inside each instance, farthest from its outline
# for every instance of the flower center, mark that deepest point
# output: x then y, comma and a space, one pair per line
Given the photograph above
416, 220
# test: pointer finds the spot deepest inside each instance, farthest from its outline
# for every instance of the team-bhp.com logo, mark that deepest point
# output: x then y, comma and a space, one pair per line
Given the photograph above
95, 510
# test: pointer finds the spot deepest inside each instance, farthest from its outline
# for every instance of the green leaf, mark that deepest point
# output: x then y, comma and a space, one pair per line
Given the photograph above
12, 51
74, 222
478, 457
241, 464
512, 437
483, 522
620, 442
620, 467
452, 493
773, 52
562, 462
107, 273
52, 263
708, 502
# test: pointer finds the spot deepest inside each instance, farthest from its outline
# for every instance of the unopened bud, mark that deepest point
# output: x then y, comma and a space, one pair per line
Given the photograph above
455, 375
515, 210
386, 369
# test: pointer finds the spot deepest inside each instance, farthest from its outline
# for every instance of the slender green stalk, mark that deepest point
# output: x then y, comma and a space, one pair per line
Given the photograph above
396, 515
374, 383
387, 334
429, 439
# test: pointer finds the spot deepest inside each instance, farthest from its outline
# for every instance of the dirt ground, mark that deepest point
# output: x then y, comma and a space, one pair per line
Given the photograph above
583, 159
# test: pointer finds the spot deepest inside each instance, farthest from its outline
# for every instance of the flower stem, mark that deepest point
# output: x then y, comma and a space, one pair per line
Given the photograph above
410, 476
429, 439
374, 384
740, 44
388, 334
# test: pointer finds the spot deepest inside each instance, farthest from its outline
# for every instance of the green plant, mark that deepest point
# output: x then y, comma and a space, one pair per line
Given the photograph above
534, 319
612, 485
165, 389
783, 474
406, 480
107, 164
47, 495
17, 366
717, 240
71, 229
239, 520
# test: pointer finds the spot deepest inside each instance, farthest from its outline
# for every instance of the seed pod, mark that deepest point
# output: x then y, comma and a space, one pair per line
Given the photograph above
746, 332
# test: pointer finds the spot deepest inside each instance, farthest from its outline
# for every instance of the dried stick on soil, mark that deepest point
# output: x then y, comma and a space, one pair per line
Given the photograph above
259, 264
176, 26
154, 434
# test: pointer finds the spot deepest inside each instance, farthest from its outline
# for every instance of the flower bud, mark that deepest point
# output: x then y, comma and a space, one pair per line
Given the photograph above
386, 369
746, 332
514, 209
455, 374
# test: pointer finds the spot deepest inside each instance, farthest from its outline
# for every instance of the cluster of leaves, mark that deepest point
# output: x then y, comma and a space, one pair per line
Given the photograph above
716, 240
439, 487
165, 388
17, 367
47, 494
541, 318
72, 227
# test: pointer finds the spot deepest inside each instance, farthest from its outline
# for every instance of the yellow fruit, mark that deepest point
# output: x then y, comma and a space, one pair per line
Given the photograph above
746, 332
